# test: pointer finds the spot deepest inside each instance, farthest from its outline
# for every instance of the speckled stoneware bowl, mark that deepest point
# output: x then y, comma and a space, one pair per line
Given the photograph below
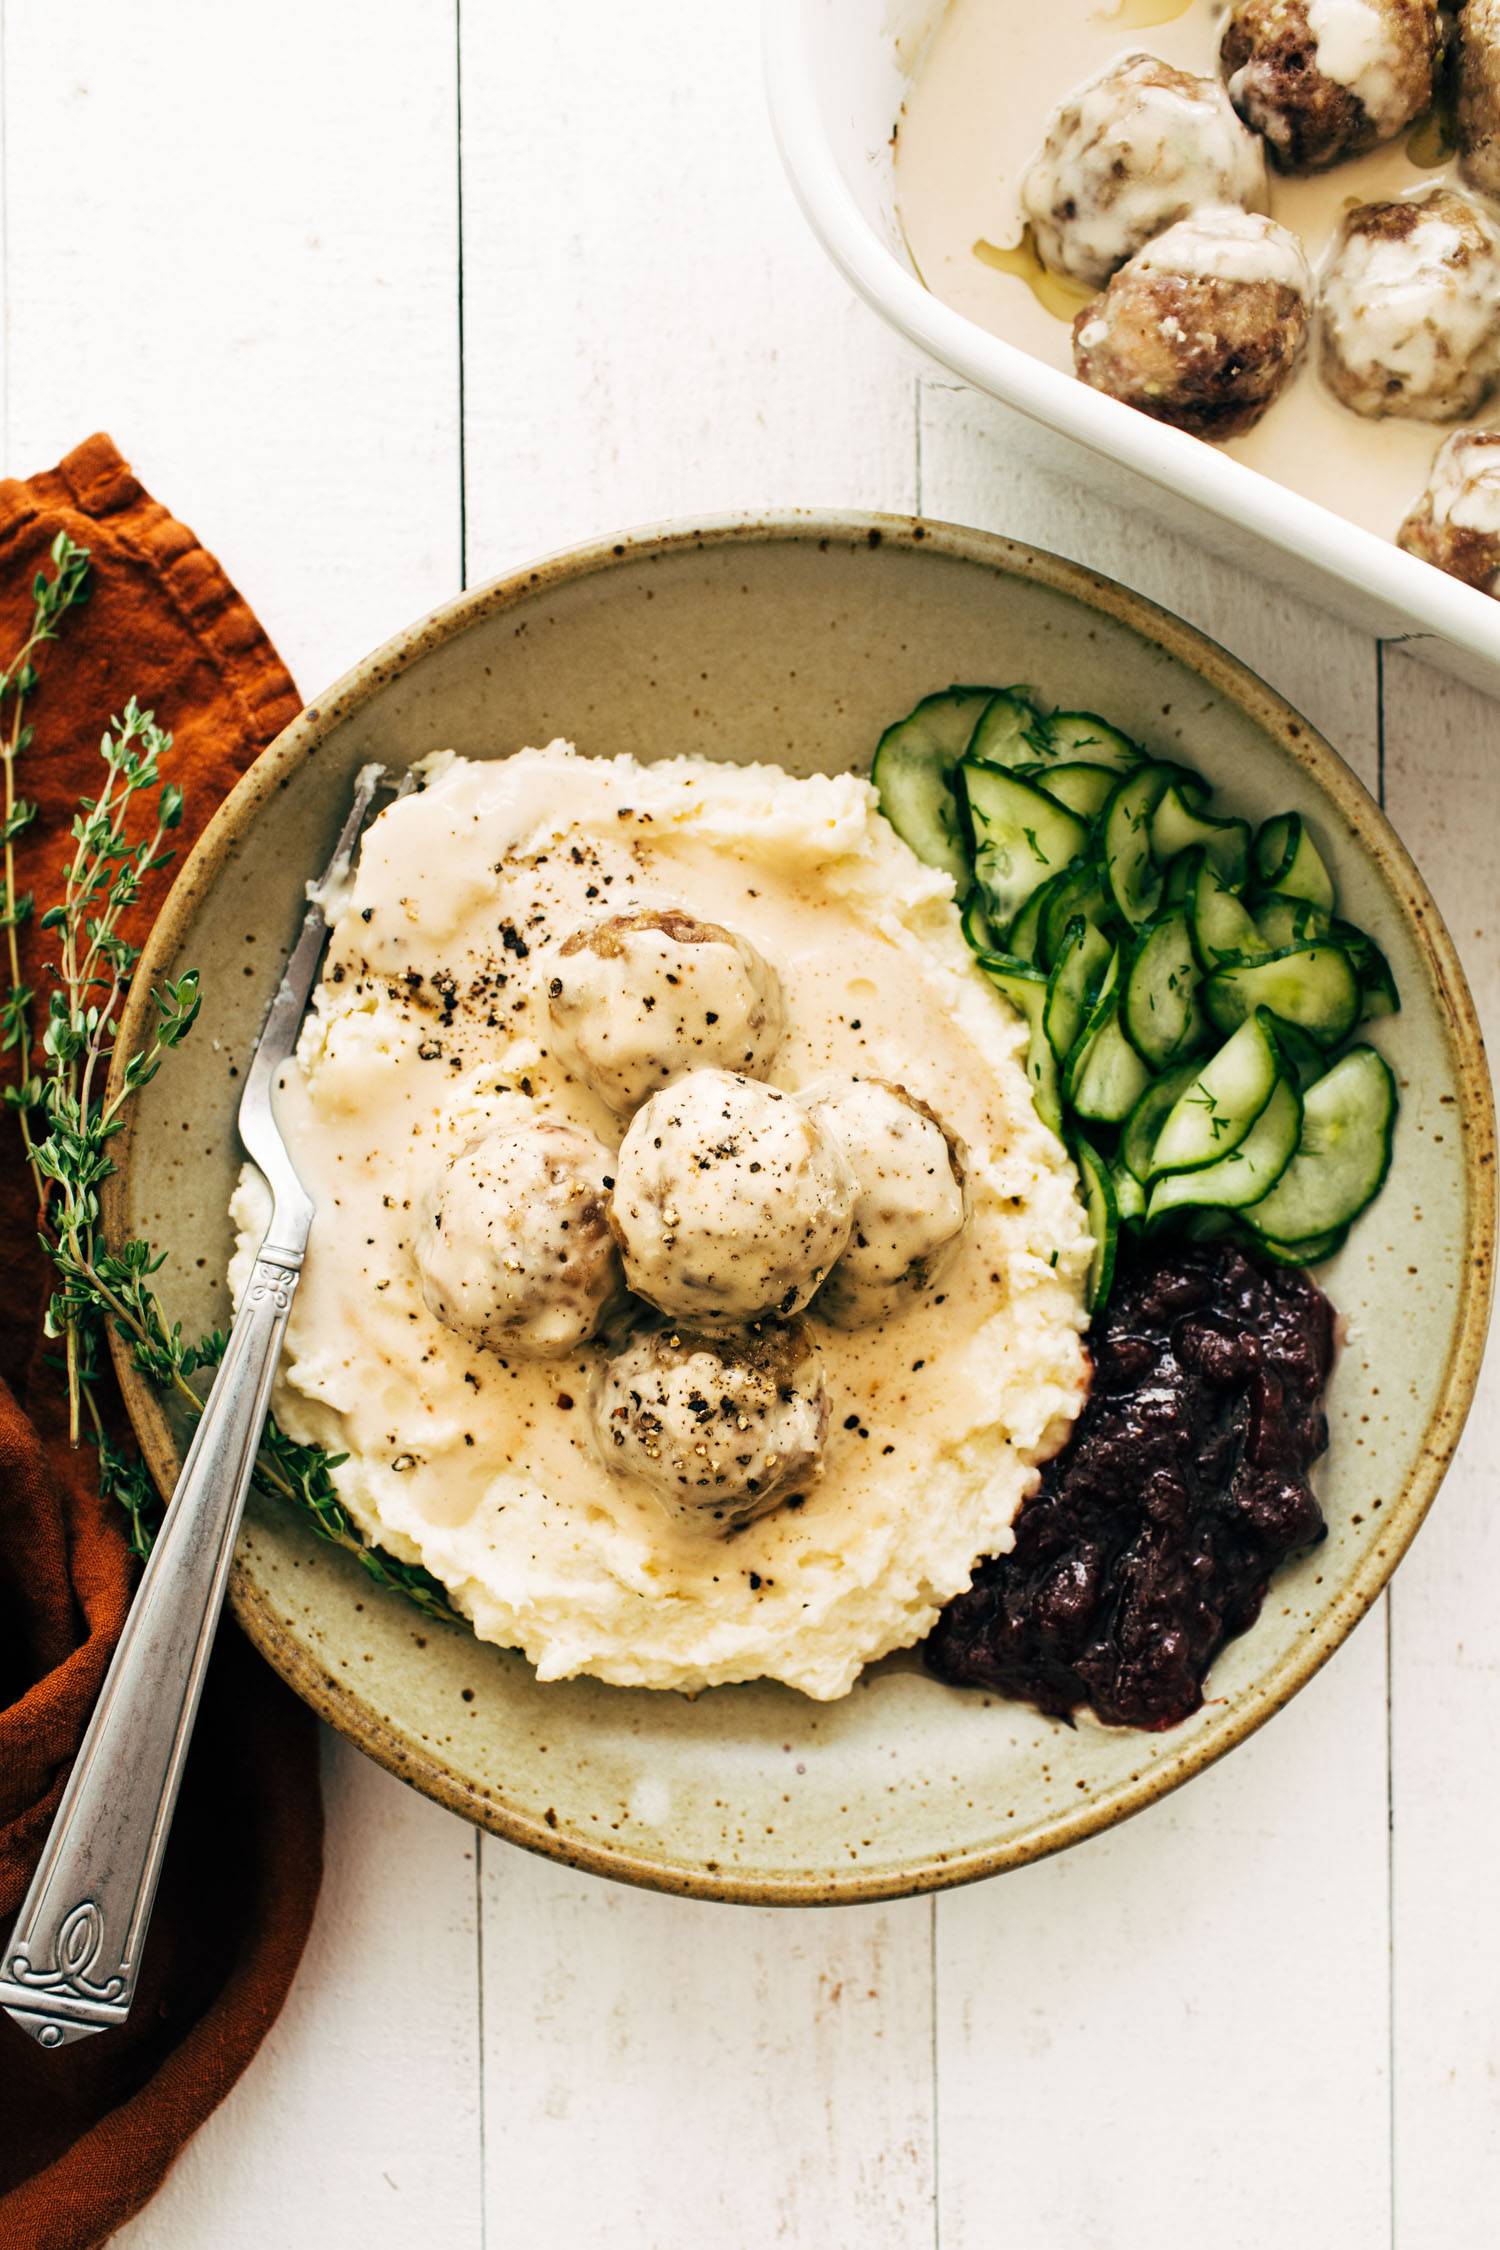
796, 640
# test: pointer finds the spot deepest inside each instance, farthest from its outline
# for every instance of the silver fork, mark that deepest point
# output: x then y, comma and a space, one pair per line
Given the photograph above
72, 1960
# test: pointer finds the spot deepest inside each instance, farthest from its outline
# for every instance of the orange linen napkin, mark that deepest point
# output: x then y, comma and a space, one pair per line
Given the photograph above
87, 2132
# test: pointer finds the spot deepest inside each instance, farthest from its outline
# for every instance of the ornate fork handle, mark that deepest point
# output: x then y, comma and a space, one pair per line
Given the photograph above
70, 1964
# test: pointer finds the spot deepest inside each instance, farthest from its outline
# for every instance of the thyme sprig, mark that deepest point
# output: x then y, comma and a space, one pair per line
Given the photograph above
68, 1118
51, 599
104, 879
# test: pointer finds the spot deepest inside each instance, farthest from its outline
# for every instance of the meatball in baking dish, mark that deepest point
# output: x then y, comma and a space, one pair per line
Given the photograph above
1137, 148
1410, 314
1320, 80
1476, 107
1456, 522
1204, 327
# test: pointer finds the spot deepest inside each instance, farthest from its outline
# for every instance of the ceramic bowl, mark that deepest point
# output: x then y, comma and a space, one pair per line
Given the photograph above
795, 640
837, 73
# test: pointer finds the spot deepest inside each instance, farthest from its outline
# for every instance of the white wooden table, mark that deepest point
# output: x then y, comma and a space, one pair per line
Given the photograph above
382, 298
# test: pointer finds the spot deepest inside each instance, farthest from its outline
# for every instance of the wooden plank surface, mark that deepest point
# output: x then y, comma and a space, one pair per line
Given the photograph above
1203, 2026
238, 253
649, 330
669, 2073
236, 250
1442, 773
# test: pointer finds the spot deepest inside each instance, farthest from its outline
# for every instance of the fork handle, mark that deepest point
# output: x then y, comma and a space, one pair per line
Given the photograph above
71, 1963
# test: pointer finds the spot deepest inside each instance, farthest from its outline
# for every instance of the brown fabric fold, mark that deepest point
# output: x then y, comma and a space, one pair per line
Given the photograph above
88, 2131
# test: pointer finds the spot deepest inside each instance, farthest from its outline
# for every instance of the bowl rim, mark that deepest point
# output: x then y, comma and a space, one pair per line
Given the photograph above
292, 748
1244, 497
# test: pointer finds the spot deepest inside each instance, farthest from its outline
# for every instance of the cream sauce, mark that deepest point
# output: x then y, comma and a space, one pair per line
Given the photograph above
1424, 307
1352, 51
976, 115
1237, 246
431, 1026
1466, 486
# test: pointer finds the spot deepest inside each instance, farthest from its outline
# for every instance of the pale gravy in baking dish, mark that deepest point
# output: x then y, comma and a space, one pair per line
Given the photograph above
977, 113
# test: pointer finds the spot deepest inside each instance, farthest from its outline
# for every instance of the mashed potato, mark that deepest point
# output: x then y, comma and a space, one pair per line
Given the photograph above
431, 1028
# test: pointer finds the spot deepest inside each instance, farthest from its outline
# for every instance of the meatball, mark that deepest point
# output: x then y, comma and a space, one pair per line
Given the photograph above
1138, 147
1456, 523
1476, 109
721, 1427
1325, 79
1204, 327
1411, 308
513, 1244
730, 1203
639, 999
911, 1206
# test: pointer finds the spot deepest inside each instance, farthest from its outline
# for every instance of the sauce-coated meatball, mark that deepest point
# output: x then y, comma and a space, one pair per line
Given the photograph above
721, 1427
1324, 79
513, 1245
1411, 308
1140, 146
1476, 109
1204, 327
1456, 523
730, 1204
911, 1206
640, 998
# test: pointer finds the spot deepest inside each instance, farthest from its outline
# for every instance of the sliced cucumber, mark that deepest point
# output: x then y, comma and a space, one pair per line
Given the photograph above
1009, 731
1103, 1217
1078, 891
1179, 879
1222, 930
1138, 1138
1287, 859
913, 776
1106, 999
1302, 1058
1083, 734
1215, 1111
1162, 1017
1021, 837
1309, 1253
1177, 826
1378, 994
1348, 1122
1244, 1175
1312, 986
1130, 872
1283, 920
1202, 1224
1082, 788
1107, 902
1025, 988
1072, 988
1025, 939
975, 924
1105, 1077
1130, 1196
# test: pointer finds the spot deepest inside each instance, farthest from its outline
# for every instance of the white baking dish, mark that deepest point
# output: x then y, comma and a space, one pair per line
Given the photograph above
837, 73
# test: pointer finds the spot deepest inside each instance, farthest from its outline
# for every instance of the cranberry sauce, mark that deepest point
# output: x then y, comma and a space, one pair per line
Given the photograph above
1156, 1530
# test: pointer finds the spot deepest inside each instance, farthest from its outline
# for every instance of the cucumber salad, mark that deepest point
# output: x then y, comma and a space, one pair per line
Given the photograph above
1192, 994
